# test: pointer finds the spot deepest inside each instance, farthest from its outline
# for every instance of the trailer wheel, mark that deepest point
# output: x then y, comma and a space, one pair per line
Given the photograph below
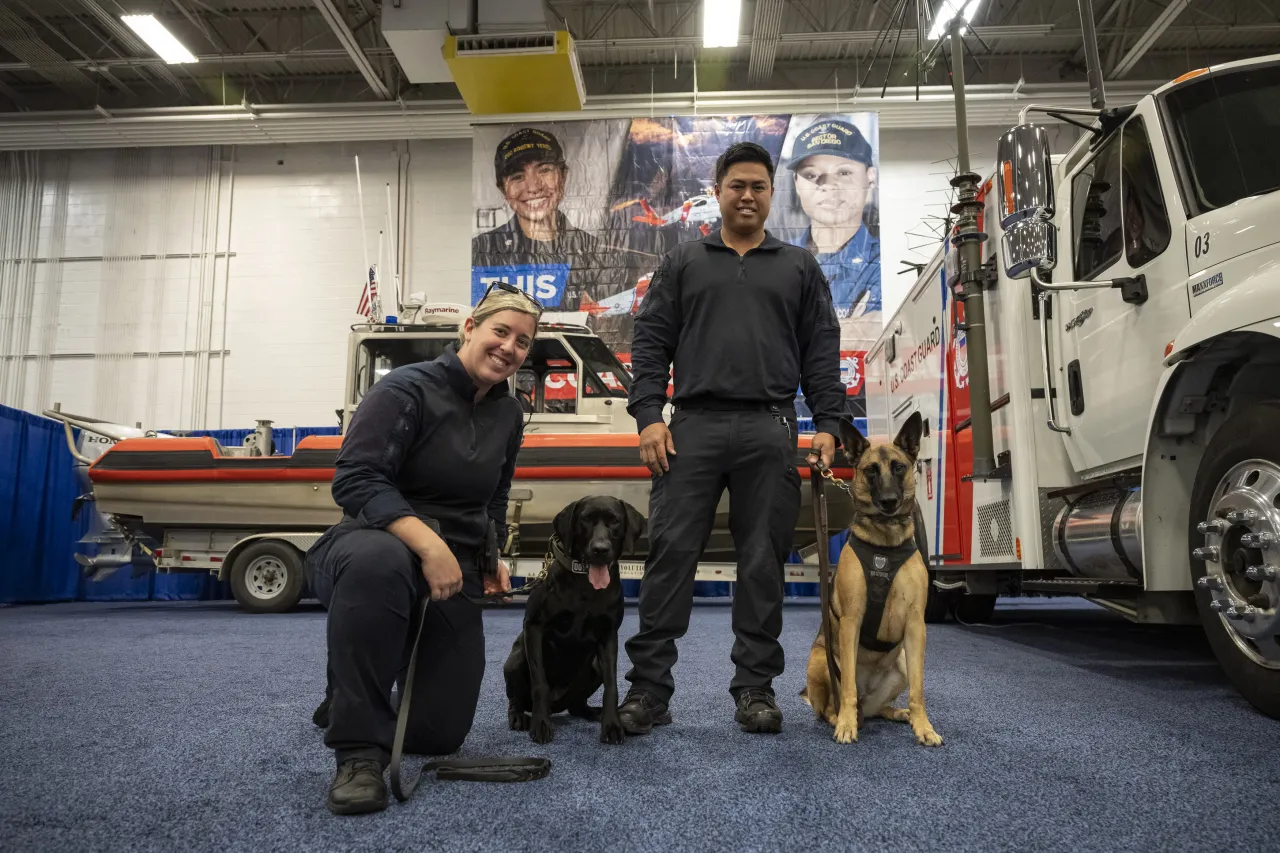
937, 603
267, 577
1235, 552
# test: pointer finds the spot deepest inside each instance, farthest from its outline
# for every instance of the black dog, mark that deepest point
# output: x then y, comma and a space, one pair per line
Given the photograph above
569, 645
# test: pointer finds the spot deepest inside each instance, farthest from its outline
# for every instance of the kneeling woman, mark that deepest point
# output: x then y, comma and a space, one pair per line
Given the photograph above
430, 442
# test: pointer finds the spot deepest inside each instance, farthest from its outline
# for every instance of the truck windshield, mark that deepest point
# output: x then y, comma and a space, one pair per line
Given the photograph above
379, 356
599, 361
1226, 127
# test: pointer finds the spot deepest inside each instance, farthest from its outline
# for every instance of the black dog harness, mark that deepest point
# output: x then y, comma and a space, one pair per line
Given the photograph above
879, 567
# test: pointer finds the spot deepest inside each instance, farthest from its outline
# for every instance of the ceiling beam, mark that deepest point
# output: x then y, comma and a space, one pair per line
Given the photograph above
348, 40
901, 108
765, 31
592, 47
209, 60
1149, 38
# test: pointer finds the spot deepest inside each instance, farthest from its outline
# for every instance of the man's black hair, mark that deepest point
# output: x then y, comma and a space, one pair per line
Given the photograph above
743, 152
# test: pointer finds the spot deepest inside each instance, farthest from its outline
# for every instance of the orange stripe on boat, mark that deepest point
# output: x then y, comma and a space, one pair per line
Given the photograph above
324, 475
216, 475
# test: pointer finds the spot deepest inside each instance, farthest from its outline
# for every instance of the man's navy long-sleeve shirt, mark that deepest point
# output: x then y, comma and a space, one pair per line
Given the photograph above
420, 444
748, 328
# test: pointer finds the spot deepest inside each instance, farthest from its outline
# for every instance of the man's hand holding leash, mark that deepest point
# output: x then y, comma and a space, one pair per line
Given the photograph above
824, 449
655, 444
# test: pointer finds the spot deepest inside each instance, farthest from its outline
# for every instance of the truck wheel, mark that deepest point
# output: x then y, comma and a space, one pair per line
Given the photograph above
1235, 552
936, 604
267, 577
975, 608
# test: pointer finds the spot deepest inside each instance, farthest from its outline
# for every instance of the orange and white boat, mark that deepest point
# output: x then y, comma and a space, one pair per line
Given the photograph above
204, 506
164, 483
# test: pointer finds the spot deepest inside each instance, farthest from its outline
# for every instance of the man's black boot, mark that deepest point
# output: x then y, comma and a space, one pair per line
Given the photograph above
641, 711
758, 711
358, 787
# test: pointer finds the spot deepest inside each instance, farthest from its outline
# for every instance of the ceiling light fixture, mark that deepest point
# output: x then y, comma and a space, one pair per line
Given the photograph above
159, 39
949, 11
720, 19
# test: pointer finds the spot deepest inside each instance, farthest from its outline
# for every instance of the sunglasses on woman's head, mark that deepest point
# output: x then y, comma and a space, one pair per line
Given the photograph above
510, 288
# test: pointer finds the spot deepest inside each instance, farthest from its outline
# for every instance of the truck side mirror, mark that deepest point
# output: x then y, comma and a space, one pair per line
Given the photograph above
1024, 177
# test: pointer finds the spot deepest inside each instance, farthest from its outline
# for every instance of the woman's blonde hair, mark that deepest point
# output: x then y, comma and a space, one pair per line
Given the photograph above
497, 302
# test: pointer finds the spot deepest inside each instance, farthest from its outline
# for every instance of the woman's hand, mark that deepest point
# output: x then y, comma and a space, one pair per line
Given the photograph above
441, 570
501, 582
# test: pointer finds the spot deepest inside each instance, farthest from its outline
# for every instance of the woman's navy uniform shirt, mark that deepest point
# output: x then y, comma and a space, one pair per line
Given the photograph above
420, 444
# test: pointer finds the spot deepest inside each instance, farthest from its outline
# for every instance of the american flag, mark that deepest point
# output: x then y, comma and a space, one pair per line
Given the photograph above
369, 296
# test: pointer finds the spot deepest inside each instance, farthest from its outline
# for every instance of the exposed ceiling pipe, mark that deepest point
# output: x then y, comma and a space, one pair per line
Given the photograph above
17, 37
765, 30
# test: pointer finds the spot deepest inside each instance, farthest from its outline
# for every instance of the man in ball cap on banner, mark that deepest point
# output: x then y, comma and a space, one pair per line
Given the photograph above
537, 248
834, 169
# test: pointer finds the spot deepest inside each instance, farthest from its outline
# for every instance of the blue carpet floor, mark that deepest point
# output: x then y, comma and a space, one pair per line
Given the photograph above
187, 727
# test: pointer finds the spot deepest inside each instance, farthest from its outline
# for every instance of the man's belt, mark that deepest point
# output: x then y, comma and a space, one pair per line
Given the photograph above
713, 404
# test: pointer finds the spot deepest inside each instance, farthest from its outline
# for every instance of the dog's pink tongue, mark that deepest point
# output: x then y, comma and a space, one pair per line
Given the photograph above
599, 576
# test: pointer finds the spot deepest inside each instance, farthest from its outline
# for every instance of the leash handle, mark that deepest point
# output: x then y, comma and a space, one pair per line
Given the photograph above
824, 580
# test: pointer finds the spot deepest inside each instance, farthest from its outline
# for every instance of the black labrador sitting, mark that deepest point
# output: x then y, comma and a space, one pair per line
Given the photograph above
569, 645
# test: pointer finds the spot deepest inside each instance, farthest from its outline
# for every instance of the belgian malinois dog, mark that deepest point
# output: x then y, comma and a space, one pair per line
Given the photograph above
878, 595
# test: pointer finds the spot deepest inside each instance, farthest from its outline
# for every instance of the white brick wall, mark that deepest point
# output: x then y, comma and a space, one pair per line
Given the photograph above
295, 277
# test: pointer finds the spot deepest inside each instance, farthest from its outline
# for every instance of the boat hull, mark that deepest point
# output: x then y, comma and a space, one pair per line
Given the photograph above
191, 483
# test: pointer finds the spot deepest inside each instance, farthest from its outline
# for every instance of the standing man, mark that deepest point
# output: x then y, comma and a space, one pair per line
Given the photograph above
835, 175
746, 319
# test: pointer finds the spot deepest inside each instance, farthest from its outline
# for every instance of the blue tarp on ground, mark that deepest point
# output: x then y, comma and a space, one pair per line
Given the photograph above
38, 535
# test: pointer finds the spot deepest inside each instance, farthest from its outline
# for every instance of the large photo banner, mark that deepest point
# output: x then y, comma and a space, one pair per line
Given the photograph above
580, 213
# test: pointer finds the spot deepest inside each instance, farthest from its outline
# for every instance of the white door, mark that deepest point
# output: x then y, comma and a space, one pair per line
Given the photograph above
1121, 203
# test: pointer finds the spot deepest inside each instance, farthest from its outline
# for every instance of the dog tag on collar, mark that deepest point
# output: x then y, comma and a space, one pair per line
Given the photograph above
577, 568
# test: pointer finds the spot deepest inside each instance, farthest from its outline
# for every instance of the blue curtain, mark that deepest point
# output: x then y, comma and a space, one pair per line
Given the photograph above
37, 489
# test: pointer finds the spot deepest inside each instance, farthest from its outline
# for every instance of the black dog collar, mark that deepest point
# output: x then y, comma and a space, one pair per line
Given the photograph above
557, 551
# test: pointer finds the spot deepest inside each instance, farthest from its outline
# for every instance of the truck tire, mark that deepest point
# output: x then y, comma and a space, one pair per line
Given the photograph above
936, 603
1241, 464
267, 577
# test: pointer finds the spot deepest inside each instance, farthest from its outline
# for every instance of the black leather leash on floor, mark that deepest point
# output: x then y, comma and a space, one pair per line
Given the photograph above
501, 769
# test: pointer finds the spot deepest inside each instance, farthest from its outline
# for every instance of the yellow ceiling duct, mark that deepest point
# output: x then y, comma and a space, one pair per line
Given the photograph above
516, 72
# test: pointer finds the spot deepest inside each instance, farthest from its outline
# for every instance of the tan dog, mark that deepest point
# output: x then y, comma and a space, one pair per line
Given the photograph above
878, 595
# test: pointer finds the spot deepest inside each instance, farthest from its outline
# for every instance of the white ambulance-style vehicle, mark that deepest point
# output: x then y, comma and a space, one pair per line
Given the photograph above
1132, 325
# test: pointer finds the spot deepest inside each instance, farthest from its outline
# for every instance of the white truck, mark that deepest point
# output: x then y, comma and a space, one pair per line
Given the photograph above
1124, 315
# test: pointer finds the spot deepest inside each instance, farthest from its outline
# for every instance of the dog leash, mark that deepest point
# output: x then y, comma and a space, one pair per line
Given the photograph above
818, 474
501, 769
